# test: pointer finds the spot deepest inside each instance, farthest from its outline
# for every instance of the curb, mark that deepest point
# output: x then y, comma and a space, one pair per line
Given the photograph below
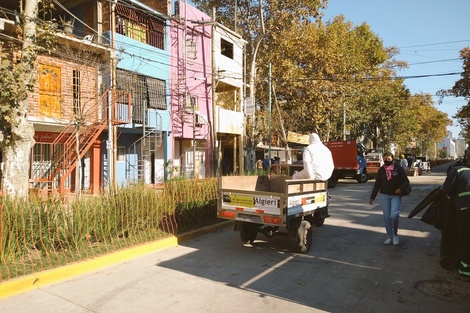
40, 279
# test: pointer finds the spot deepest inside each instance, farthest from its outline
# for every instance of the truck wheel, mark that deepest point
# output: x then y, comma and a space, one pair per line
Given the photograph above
304, 237
248, 232
362, 178
319, 222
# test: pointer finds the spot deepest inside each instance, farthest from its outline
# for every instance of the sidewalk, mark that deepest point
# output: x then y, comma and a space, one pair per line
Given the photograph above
34, 281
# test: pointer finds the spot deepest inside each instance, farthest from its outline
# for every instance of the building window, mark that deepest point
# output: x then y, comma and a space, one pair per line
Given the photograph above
226, 48
193, 103
76, 93
140, 26
156, 93
50, 91
147, 92
121, 154
191, 49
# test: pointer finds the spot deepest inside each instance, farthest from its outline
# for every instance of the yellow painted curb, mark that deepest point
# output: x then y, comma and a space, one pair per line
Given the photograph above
40, 279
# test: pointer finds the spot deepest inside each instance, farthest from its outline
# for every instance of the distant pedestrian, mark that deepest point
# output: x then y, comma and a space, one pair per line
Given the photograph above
266, 162
299, 159
403, 162
259, 166
391, 179
226, 165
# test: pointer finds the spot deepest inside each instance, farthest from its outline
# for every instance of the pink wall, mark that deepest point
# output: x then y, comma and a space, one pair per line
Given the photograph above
198, 70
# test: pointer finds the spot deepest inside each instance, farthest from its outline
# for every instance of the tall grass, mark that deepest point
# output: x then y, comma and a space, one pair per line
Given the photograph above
38, 235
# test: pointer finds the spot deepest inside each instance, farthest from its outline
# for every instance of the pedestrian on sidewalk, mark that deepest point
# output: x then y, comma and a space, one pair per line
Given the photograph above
391, 179
403, 162
457, 187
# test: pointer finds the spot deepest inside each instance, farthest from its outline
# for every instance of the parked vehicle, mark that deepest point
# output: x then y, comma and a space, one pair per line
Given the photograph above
374, 160
274, 204
349, 160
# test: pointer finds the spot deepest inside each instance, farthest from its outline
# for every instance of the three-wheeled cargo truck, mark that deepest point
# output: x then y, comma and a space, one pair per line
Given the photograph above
274, 204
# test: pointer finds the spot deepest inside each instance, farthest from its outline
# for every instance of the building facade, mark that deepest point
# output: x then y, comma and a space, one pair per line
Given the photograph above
133, 92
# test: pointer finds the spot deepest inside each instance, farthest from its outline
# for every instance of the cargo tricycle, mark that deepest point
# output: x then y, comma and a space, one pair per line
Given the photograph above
274, 204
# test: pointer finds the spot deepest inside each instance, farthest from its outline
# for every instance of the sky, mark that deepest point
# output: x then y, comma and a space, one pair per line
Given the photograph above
428, 33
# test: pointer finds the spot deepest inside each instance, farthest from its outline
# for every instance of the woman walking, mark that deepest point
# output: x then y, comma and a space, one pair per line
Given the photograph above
391, 180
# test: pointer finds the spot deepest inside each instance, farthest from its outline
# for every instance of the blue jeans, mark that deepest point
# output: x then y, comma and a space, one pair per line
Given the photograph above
391, 211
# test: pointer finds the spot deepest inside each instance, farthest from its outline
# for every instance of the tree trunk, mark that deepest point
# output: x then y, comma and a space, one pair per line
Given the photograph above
16, 154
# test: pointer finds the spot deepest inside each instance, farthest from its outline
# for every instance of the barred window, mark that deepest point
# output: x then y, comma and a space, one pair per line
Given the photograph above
147, 92
140, 26
156, 93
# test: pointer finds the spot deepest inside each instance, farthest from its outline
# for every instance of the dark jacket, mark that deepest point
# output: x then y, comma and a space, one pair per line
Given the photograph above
399, 181
457, 185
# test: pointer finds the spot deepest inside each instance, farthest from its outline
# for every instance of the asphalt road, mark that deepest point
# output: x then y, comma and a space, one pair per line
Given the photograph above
348, 269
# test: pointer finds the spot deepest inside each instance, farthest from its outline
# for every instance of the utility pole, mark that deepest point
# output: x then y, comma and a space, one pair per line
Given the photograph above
269, 111
110, 143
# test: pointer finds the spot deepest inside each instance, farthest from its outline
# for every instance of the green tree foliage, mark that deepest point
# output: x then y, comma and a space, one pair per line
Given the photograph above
16, 83
462, 89
321, 72
326, 70
422, 124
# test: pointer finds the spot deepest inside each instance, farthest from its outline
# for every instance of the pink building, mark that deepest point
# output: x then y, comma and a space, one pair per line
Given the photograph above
191, 91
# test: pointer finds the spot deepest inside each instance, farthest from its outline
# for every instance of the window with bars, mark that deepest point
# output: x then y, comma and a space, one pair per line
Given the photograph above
147, 92
77, 105
41, 161
140, 26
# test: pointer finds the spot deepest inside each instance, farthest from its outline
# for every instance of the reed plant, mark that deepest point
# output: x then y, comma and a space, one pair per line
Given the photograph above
41, 234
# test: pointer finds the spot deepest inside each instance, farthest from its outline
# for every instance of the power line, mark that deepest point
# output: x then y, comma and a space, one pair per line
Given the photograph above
437, 61
435, 44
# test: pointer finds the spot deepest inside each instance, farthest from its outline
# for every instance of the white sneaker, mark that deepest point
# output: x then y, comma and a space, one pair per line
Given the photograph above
388, 241
395, 240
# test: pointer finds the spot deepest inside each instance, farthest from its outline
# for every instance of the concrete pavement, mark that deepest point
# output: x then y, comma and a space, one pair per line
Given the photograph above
348, 270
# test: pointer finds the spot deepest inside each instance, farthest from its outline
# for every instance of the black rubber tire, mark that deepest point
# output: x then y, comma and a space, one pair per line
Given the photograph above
319, 222
362, 178
304, 237
248, 232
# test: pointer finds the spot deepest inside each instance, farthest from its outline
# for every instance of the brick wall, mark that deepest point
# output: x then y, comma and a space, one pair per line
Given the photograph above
163, 6
89, 100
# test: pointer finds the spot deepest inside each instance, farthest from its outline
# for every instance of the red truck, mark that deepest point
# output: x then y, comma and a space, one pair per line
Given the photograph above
348, 157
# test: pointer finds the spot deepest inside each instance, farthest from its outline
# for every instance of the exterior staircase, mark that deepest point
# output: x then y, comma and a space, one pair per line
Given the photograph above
144, 149
74, 142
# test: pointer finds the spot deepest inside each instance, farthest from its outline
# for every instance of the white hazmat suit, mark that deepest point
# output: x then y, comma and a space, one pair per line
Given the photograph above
318, 161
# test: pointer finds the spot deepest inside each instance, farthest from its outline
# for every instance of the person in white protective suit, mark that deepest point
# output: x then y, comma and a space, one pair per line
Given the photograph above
318, 161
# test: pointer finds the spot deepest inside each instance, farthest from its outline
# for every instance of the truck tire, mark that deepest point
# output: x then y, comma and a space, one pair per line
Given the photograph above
319, 222
248, 232
362, 178
304, 237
